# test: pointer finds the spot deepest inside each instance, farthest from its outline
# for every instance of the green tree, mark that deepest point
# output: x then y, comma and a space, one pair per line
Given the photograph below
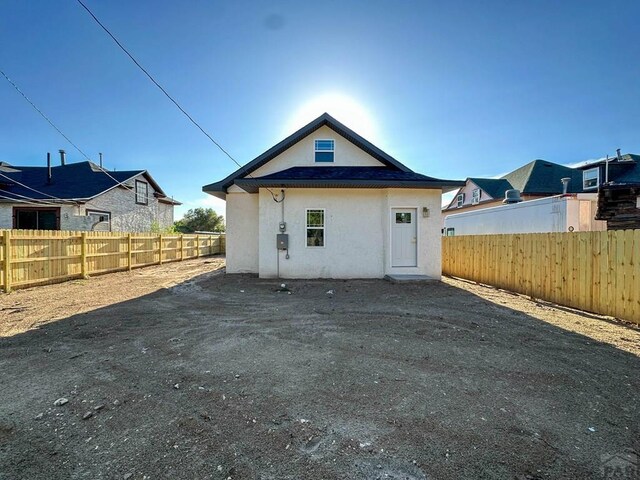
200, 220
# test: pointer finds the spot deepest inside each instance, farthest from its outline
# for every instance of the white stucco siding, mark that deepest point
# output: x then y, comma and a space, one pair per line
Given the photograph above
429, 261
353, 234
302, 154
242, 233
357, 233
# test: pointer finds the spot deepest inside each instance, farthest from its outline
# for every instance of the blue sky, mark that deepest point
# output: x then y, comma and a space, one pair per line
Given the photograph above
452, 89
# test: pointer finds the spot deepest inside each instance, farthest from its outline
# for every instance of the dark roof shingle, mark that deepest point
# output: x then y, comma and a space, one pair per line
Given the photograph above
73, 181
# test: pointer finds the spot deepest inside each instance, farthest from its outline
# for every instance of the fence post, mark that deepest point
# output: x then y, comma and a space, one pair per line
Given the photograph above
160, 249
210, 244
83, 254
181, 247
129, 252
7, 261
197, 246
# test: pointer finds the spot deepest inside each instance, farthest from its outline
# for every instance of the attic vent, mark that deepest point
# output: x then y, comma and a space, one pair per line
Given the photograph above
512, 196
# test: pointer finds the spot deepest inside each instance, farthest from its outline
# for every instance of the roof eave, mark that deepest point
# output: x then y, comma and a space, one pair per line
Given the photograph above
252, 185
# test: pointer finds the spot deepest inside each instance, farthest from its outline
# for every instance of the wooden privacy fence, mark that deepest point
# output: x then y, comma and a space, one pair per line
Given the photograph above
35, 257
593, 271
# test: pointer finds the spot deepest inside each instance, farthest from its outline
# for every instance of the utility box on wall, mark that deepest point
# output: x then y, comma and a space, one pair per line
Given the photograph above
283, 241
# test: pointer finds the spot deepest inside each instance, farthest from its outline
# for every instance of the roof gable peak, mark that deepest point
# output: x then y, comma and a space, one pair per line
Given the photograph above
323, 120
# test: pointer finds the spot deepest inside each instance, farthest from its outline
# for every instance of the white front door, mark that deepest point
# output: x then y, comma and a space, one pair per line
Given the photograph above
404, 240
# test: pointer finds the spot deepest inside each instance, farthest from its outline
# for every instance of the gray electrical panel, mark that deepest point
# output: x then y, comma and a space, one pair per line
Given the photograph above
283, 241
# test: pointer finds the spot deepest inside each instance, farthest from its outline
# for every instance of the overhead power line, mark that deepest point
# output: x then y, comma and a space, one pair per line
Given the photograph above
42, 114
133, 59
128, 187
164, 91
34, 190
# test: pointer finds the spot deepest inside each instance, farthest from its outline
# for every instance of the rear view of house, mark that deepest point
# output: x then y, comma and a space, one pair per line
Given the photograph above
81, 196
327, 203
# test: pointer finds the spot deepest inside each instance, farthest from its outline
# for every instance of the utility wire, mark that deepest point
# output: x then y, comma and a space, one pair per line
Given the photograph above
32, 201
34, 190
128, 187
191, 119
43, 115
35, 200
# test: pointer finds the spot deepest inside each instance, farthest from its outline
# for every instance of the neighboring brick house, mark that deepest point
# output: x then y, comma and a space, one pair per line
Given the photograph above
82, 196
536, 179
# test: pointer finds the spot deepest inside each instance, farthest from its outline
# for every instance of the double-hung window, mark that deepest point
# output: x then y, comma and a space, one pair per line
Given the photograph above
324, 151
460, 200
142, 192
475, 196
590, 178
315, 227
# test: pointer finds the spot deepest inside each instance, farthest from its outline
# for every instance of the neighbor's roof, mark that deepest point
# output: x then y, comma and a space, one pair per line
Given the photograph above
541, 176
341, 177
625, 170
537, 177
73, 182
495, 187
219, 189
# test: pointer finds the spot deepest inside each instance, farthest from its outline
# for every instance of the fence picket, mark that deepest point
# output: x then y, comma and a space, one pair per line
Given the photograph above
592, 271
35, 257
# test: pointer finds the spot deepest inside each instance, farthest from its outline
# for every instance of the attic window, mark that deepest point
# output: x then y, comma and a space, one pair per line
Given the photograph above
460, 200
324, 151
475, 196
142, 192
590, 178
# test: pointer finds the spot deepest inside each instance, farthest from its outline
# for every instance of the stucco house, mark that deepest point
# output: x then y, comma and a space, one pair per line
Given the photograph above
81, 196
326, 203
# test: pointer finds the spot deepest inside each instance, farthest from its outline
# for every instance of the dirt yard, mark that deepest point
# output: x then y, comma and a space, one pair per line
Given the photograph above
181, 372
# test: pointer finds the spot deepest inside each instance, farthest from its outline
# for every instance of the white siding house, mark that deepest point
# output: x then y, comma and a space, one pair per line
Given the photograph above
347, 210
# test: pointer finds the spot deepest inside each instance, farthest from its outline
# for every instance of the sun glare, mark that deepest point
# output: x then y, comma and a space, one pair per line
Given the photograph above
342, 107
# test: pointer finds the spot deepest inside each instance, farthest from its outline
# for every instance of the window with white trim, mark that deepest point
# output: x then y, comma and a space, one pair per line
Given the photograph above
475, 196
315, 227
460, 200
142, 192
100, 221
590, 178
324, 151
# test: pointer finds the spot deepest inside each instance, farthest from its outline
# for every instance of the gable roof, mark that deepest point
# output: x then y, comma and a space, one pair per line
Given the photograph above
71, 182
219, 189
341, 177
494, 187
538, 177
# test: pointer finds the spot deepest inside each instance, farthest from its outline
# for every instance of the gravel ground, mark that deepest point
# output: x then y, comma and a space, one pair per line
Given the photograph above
182, 372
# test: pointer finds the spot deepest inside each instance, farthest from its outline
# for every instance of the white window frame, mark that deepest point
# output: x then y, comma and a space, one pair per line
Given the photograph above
323, 228
100, 213
459, 200
475, 196
584, 178
315, 149
145, 196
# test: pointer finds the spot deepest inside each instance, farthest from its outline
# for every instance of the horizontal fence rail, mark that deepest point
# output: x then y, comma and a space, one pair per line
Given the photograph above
37, 257
593, 271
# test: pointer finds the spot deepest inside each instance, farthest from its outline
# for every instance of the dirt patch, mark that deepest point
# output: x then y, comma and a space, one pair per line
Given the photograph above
223, 376
22, 310
621, 334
